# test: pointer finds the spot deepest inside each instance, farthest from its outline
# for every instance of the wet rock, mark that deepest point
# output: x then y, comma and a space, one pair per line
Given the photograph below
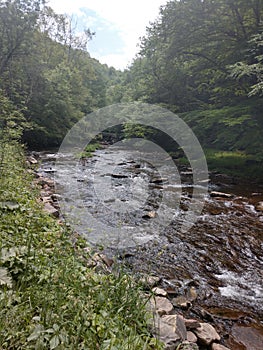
161, 306
206, 334
158, 180
248, 338
186, 173
259, 206
221, 194
182, 302
215, 211
32, 160
150, 215
192, 294
191, 337
48, 208
177, 322
216, 346
119, 176
227, 313
56, 197
159, 291
110, 200
45, 181
50, 170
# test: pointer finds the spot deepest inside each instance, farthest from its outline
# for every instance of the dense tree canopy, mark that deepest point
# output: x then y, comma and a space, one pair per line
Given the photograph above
45, 70
204, 55
185, 55
200, 58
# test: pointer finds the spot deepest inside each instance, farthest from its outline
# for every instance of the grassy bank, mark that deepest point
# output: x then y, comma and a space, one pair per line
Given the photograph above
49, 298
234, 163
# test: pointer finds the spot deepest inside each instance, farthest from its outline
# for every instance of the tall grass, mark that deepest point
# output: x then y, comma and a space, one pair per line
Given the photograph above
49, 298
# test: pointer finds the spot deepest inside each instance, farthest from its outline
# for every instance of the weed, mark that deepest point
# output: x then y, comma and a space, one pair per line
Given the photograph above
49, 298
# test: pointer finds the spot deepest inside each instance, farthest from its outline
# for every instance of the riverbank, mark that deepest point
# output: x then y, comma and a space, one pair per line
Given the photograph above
50, 298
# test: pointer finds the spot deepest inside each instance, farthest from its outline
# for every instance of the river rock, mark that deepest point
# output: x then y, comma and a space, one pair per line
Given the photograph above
250, 338
191, 337
45, 181
161, 305
101, 262
159, 291
216, 346
186, 345
48, 208
119, 176
32, 160
158, 180
49, 170
56, 197
192, 293
221, 194
150, 215
192, 324
182, 302
177, 322
259, 206
165, 333
206, 334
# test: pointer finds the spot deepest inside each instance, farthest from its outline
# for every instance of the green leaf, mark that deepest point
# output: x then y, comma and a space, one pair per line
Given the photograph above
4, 278
54, 342
39, 329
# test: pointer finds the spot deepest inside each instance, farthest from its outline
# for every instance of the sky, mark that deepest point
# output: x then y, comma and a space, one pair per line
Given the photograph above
118, 25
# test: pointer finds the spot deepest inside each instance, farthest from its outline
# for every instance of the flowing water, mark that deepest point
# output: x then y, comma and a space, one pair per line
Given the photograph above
221, 255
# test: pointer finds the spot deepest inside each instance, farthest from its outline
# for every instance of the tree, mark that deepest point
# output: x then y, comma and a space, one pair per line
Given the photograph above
187, 50
252, 69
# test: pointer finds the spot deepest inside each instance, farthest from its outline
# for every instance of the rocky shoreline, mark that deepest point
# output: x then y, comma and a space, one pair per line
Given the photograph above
170, 322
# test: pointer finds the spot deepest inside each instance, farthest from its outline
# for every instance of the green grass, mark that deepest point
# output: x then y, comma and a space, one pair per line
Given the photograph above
235, 163
90, 149
49, 298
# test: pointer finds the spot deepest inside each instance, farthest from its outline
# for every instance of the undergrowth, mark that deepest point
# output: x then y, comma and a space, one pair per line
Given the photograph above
49, 298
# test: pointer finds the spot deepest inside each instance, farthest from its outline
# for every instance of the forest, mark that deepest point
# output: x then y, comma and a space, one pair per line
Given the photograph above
201, 59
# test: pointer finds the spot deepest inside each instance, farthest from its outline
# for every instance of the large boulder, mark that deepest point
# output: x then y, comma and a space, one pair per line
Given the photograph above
206, 334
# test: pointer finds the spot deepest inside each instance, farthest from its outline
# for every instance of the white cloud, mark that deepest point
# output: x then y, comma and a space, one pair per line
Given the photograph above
128, 17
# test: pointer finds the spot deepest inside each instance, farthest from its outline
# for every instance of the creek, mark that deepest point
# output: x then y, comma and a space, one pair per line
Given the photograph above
219, 257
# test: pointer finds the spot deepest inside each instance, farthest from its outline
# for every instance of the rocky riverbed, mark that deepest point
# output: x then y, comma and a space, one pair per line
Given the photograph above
212, 273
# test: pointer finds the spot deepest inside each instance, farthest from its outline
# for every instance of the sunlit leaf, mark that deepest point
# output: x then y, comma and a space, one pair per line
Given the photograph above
4, 278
